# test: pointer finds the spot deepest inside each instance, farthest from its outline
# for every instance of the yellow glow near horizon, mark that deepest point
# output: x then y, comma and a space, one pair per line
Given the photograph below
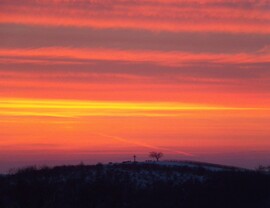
79, 108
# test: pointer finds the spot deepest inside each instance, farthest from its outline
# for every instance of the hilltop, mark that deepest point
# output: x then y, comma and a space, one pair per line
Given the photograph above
170, 184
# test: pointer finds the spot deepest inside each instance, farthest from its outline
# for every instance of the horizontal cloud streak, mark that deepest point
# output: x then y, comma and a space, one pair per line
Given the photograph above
173, 58
114, 71
146, 15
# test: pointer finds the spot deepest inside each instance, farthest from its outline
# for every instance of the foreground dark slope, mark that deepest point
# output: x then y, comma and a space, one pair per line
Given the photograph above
161, 185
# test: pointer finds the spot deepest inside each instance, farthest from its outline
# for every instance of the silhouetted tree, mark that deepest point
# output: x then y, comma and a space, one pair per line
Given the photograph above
156, 155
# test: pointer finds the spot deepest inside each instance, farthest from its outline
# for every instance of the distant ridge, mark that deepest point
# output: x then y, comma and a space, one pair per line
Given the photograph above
190, 163
206, 164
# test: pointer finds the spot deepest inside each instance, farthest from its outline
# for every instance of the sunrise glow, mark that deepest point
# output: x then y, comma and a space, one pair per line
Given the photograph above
103, 80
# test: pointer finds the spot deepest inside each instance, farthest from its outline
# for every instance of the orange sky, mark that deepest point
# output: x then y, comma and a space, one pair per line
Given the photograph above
103, 80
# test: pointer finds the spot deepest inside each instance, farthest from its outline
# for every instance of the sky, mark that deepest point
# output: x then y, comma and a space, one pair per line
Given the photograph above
101, 80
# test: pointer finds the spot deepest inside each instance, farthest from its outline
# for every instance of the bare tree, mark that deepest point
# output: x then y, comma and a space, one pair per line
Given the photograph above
156, 155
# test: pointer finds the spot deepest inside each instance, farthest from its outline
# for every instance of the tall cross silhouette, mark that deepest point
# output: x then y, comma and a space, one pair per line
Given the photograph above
134, 156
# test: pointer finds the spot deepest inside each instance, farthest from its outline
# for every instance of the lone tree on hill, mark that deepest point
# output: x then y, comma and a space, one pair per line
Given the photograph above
156, 155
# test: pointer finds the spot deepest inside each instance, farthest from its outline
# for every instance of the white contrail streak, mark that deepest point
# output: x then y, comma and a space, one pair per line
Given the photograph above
121, 139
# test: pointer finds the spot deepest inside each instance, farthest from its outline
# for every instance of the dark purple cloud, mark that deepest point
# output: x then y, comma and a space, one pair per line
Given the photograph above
18, 36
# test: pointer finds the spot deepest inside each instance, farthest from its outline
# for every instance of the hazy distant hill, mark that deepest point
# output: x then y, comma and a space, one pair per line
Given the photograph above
136, 185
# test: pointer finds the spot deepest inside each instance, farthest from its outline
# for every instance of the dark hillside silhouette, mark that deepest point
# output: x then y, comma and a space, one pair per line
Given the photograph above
134, 185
